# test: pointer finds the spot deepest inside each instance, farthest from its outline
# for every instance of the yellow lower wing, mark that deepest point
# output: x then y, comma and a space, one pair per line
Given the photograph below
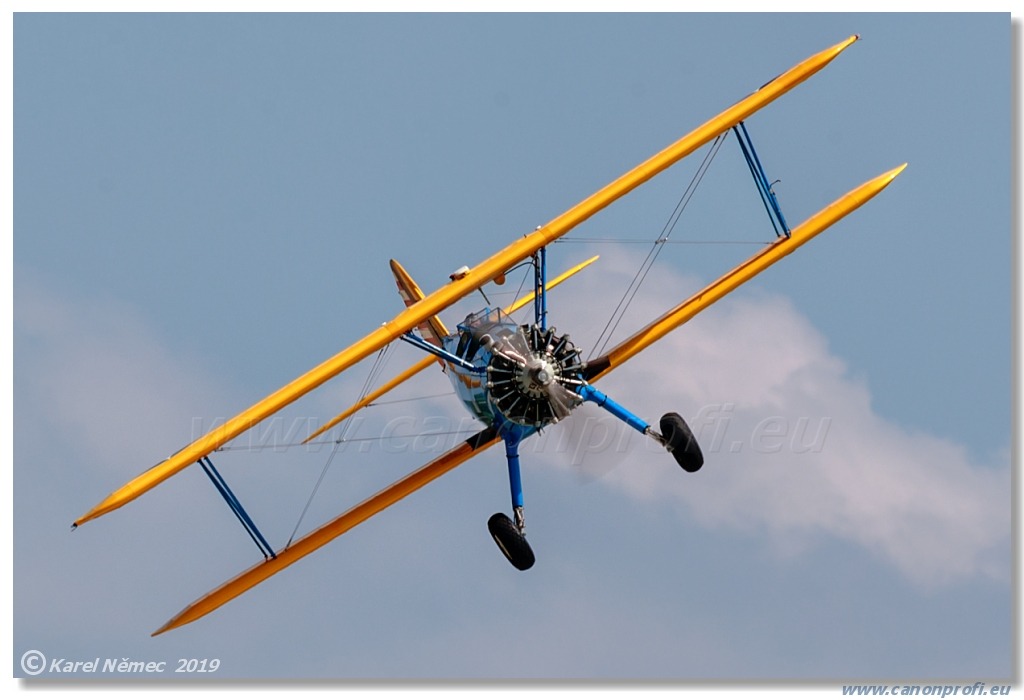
335, 528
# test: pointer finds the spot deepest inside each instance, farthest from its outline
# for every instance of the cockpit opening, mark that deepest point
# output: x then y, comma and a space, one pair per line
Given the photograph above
493, 322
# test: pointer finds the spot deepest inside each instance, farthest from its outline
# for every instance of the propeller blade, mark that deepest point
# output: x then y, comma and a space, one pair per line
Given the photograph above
562, 400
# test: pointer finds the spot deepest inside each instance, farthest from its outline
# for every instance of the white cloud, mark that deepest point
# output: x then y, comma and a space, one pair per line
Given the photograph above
794, 451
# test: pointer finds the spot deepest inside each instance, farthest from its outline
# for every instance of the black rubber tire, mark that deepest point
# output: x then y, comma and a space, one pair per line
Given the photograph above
681, 442
513, 545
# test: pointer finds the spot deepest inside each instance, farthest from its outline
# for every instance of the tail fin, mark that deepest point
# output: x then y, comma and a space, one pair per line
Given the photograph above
432, 329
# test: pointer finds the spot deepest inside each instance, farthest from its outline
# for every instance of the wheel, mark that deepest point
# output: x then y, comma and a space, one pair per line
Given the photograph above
511, 543
681, 442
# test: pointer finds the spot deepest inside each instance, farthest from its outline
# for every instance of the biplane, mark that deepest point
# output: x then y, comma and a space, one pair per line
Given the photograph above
517, 379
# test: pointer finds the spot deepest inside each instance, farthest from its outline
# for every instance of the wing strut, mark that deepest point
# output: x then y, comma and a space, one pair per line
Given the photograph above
673, 318
335, 528
764, 187
236, 507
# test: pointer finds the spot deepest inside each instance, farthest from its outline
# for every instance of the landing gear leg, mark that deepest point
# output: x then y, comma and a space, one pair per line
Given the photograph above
508, 535
675, 435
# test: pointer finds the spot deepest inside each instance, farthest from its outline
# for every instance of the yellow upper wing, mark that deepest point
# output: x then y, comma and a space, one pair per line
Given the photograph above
490, 269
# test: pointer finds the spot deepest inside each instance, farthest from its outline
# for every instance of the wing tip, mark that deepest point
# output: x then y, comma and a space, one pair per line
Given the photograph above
97, 511
886, 178
169, 625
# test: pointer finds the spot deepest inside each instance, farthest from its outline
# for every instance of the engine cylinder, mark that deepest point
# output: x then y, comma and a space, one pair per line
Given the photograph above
532, 375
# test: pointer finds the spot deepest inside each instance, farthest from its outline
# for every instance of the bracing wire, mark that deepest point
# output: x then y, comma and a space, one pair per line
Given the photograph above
345, 441
411, 398
378, 365
316, 487
526, 274
590, 239
641, 274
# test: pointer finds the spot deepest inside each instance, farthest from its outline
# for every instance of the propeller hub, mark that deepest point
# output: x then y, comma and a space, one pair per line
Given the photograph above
532, 376
535, 377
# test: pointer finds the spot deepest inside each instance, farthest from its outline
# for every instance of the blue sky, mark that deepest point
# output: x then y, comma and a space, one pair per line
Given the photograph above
204, 209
